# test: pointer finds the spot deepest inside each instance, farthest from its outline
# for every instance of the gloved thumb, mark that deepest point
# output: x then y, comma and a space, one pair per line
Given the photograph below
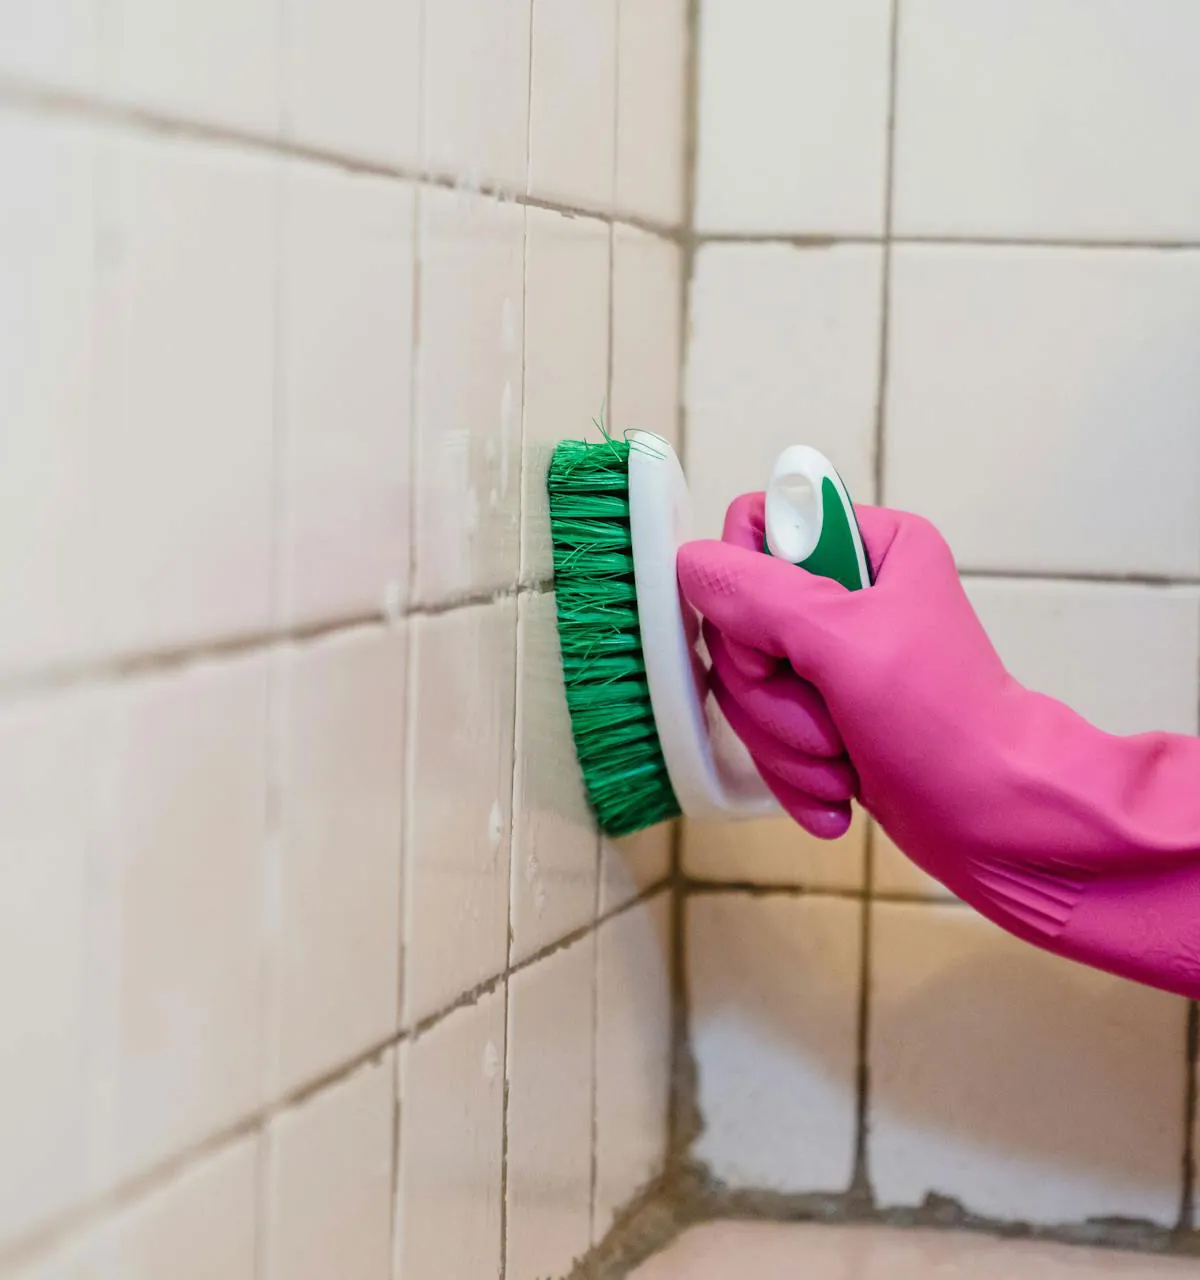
767, 604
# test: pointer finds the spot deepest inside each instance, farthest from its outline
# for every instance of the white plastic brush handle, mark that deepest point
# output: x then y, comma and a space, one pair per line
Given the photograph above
711, 773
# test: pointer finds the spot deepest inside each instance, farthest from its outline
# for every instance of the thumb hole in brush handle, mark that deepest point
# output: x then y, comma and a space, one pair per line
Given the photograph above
810, 519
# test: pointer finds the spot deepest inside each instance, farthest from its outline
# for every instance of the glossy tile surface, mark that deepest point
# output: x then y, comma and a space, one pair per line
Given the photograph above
340, 712
451, 1145
459, 801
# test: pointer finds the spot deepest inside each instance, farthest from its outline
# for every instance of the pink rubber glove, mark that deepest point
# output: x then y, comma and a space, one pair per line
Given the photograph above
1082, 843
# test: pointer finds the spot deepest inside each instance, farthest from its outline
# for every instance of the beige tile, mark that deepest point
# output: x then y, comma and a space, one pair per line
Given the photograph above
773, 990
340, 725
555, 843
469, 377
572, 103
632, 864
646, 346
47, 287
346, 388
55, 44
351, 75
182, 444
1019, 1084
784, 350
50, 754
451, 1141
550, 1071
893, 872
214, 62
566, 357
783, 1251
774, 851
633, 1054
476, 78
200, 1225
329, 1181
183, 867
793, 116
459, 803
1071, 640
652, 54
1060, 119
1072, 371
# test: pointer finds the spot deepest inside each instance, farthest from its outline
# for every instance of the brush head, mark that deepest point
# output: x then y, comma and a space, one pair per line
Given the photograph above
612, 720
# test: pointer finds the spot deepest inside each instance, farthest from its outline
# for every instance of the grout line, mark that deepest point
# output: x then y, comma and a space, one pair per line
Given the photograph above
78, 107
1187, 1199
700, 887
28, 1248
879, 443
159, 662
860, 1183
1080, 576
832, 240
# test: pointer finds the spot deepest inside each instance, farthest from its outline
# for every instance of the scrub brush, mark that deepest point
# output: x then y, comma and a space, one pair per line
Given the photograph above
619, 512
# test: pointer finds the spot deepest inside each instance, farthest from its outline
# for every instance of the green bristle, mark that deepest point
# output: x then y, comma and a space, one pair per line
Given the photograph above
603, 668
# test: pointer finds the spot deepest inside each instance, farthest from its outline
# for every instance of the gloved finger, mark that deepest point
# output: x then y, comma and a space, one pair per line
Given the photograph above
745, 526
830, 779
783, 706
819, 818
768, 605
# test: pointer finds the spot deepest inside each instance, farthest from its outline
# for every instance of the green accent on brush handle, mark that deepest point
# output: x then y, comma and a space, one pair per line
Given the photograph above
836, 553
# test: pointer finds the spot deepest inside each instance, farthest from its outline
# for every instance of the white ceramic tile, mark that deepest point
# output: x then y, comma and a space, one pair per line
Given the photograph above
550, 1066
340, 724
783, 1251
773, 988
633, 864
555, 843
49, 754
181, 451
476, 77
451, 1145
646, 346
633, 1054
184, 868
784, 350
346, 335
215, 62
774, 851
329, 1181
351, 75
50, 41
1070, 639
470, 354
793, 115
46, 292
1000, 1076
566, 358
572, 102
200, 1225
1053, 118
1039, 381
652, 55
459, 803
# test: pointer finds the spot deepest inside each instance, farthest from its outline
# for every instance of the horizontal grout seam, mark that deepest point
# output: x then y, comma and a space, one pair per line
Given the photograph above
83, 109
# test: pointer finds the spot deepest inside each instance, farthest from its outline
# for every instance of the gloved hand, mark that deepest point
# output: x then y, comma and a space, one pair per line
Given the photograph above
1083, 843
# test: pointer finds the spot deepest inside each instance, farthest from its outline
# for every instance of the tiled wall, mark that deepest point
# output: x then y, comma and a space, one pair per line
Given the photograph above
311, 961
955, 244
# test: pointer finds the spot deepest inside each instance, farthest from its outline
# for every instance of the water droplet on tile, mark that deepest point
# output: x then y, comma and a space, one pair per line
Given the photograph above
493, 499
495, 825
539, 898
491, 1062
393, 601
